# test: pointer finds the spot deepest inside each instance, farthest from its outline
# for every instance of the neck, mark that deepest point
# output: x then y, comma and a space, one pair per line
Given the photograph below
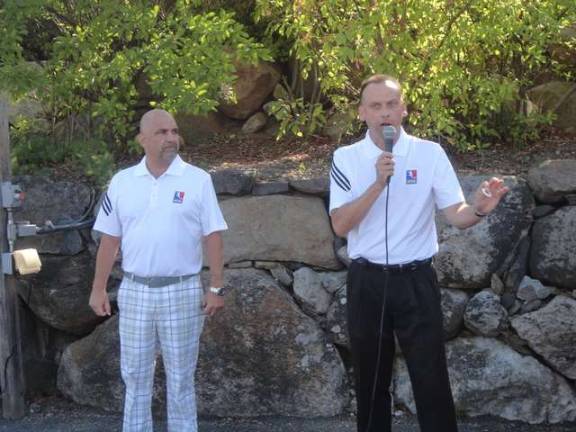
377, 139
156, 168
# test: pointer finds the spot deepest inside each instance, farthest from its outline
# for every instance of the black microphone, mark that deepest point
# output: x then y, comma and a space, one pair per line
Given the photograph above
388, 132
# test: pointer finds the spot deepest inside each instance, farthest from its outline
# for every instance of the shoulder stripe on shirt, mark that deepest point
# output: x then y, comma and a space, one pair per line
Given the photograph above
340, 178
107, 205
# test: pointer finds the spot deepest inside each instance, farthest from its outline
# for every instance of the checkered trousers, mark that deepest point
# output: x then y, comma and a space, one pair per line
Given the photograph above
173, 317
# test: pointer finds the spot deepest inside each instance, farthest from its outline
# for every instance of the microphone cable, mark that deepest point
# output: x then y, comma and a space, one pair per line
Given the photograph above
381, 326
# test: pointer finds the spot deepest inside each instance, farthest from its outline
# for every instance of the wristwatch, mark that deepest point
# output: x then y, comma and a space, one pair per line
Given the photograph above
217, 291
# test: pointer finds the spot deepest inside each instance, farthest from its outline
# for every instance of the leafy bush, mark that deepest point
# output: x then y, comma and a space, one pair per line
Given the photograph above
102, 48
462, 62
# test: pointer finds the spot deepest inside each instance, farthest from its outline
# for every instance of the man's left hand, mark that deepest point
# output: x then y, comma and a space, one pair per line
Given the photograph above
489, 194
212, 303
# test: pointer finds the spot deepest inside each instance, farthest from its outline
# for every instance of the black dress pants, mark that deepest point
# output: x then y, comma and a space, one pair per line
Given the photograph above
412, 312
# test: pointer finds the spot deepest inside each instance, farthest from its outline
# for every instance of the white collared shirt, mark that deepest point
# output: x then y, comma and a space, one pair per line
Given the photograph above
423, 178
161, 221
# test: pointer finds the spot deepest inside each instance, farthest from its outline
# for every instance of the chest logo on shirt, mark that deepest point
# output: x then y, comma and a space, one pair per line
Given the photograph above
178, 197
411, 176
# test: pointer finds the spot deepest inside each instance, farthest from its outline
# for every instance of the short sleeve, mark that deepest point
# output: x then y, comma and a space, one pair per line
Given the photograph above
340, 183
211, 215
446, 187
107, 221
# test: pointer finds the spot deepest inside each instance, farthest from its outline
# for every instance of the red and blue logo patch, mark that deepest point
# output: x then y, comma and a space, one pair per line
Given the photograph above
411, 176
178, 197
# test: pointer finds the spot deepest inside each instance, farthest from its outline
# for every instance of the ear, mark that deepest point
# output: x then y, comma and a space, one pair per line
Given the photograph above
361, 113
140, 138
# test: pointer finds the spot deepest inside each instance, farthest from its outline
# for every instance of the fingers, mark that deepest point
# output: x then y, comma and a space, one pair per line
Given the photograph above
106, 308
385, 165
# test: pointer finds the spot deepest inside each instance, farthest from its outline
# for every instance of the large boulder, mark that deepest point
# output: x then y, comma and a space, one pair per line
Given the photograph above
551, 332
552, 180
260, 356
263, 356
490, 378
89, 371
254, 84
552, 257
60, 202
558, 97
59, 294
279, 228
467, 259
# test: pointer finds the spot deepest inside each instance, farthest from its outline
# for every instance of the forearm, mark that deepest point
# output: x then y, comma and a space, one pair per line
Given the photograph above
347, 217
462, 215
214, 254
105, 259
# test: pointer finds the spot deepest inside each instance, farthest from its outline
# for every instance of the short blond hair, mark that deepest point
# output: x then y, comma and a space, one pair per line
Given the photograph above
377, 79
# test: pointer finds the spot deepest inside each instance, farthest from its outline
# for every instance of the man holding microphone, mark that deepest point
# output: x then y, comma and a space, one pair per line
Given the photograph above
383, 200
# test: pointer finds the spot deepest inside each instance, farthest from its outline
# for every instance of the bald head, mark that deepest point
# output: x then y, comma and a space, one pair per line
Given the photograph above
150, 118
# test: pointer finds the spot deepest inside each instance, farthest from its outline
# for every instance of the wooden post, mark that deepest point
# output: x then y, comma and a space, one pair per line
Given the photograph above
11, 370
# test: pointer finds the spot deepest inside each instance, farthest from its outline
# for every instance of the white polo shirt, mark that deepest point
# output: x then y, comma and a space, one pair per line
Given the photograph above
161, 221
423, 178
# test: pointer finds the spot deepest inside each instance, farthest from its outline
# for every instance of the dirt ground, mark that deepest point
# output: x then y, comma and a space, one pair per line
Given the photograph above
271, 160
59, 415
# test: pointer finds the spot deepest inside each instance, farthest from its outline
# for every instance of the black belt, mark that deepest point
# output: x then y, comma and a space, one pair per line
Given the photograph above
393, 268
157, 281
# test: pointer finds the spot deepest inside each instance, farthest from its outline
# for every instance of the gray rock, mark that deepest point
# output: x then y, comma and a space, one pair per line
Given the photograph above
518, 267
259, 356
531, 306
270, 188
336, 323
496, 284
466, 259
200, 129
89, 371
484, 314
60, 202
315, 289
552, 180
255, 123
453, 306
282, 275
532, 289
263, 228
553, 242
316, 186
263, 356
542, 210
342, 254
551, 332
59, 294
254, 84
239, 265
232, 182
489, 378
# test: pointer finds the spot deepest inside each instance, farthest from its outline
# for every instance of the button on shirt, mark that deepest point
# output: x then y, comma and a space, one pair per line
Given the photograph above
423, 178
161, 221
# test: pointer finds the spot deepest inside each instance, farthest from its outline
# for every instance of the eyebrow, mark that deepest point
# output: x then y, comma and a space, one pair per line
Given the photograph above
164, 130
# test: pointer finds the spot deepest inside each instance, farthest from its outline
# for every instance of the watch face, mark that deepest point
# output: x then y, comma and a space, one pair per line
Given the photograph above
217, 291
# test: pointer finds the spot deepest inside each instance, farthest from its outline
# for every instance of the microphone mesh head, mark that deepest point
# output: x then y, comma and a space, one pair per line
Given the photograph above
389, 132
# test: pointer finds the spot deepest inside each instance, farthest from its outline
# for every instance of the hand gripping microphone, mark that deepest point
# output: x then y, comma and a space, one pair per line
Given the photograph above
388, 132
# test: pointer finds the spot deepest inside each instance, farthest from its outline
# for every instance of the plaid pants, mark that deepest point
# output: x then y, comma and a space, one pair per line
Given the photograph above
171, 315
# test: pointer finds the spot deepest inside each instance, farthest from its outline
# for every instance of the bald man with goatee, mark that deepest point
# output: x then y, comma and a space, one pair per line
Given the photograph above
160, 214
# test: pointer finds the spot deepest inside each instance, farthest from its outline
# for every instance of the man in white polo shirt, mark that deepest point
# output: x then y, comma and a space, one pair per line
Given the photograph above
159, 213
384, 203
